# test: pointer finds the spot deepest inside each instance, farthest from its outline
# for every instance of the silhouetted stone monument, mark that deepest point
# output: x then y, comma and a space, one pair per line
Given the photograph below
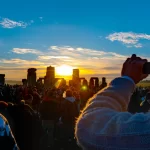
2, 79
31, 77
40, 80
75, 78
45, 81
70, 83
94, 82
24, 82
50, 76
83, 82
104, 83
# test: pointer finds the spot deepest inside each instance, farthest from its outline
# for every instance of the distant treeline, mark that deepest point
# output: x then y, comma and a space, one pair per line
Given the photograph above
11, 82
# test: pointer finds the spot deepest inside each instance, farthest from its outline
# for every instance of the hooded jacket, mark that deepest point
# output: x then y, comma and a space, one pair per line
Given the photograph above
69, 110
7, 140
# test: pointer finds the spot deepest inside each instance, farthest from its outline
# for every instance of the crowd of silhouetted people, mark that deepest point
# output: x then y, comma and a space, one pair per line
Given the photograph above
39, 118
44, 118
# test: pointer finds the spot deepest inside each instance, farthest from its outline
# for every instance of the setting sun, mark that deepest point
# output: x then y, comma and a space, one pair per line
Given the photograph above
64, 70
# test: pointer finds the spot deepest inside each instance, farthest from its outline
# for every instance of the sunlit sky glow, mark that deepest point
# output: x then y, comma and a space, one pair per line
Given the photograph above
95, 36
64, 70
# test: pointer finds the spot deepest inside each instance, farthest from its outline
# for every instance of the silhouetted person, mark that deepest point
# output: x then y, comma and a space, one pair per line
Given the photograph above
68, 115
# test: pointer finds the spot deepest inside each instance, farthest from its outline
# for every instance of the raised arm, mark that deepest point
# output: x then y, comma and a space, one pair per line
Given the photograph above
104, 122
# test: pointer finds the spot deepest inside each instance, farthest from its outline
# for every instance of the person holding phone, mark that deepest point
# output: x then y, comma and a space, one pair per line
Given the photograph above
105, 124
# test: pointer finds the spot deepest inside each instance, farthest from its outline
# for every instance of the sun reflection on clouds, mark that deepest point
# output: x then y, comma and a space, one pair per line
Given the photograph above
64, 59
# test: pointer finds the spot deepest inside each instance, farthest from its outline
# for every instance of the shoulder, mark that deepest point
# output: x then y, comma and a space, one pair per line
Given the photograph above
3, 121
4, 126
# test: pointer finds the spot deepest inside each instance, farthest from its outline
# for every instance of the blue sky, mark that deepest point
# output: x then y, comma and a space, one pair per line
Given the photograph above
95, 36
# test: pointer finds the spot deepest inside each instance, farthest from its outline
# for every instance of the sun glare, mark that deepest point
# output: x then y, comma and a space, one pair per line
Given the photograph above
64, 70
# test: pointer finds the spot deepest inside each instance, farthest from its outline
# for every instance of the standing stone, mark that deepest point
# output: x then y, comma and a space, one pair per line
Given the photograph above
2, 79
31, 77
76, 78
50, 77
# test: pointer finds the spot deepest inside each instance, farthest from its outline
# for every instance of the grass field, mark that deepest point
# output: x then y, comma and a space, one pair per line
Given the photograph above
144, 84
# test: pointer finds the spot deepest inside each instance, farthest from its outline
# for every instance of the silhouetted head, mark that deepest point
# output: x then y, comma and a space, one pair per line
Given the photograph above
103, 79
69, 93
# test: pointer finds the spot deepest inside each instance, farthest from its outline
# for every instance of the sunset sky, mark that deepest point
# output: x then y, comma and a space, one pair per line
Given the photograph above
95, 36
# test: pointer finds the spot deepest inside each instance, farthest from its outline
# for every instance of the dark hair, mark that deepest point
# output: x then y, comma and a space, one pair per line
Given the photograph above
69, 93
3, 105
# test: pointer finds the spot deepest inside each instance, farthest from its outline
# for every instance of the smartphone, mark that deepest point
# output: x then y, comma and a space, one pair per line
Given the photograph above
146, 68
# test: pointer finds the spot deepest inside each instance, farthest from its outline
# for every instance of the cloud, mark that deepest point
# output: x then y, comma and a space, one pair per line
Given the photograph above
91, 62
41, 18
139, 45
7, 23
85, 58
52, 57
77, 57
130, 39
20, 62
32, 21
81, 53
25, 51
112, 68
16, 68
